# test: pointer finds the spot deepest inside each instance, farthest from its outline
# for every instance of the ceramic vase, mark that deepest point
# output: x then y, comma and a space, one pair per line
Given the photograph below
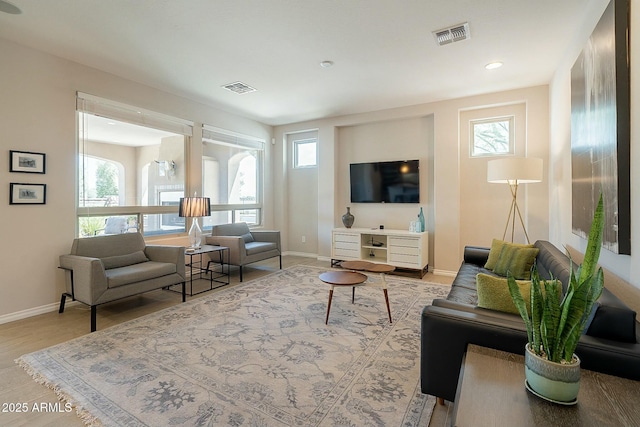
347, 218
555, 382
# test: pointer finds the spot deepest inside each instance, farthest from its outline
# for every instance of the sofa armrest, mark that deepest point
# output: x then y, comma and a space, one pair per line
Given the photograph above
237, 249
89, 278
484, 312
476, 255
267, 236
444, 337
169, 254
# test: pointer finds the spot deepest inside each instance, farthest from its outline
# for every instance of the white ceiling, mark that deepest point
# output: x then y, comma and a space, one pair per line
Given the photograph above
383, 51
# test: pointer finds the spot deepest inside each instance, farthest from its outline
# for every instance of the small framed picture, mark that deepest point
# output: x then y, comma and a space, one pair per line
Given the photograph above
25, 161
27, 194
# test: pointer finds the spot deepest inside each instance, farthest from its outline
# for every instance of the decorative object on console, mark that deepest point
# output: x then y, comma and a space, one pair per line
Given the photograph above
514, 171
554, 326
348, 218
421, 219
194, 207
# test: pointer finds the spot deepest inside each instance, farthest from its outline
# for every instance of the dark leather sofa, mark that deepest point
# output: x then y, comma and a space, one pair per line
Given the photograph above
611, 344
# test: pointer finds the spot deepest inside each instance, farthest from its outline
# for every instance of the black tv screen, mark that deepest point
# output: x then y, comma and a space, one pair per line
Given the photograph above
385, 182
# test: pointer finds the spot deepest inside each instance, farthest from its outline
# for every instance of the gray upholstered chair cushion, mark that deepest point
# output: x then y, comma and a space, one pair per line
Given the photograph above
138, 272
257, 247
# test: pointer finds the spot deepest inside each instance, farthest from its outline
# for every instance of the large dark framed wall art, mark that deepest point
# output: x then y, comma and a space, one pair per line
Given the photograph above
600, 129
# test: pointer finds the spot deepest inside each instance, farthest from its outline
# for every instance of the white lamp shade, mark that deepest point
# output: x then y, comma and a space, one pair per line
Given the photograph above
518, 170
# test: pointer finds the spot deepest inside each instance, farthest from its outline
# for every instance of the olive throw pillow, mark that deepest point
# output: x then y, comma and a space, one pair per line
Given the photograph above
496, 250
517, 260
493, 293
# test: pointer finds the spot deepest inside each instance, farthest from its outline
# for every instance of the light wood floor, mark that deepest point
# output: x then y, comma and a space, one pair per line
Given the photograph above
38, 332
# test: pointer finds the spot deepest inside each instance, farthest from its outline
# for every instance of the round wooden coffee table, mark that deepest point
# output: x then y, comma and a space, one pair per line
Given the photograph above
353, 279
341, 278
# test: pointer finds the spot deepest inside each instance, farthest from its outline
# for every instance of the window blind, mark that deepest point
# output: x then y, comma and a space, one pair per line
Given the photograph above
233, 139
97, 106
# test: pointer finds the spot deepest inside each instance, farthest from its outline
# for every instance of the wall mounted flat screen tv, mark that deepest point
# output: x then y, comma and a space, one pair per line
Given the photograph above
385, 182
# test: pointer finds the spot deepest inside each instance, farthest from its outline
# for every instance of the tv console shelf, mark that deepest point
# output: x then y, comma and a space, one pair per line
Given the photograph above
400, 248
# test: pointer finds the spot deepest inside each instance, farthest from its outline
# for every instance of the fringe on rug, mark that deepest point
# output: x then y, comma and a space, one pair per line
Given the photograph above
86, 417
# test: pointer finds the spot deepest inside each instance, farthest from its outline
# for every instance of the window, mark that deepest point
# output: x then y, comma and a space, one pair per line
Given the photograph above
491, 137
231, 175
304, 153
131, 169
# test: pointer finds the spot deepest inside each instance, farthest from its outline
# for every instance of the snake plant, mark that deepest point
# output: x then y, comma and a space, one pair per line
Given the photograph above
554, 325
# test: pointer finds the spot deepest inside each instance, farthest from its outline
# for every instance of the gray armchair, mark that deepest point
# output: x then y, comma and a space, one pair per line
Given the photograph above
246, 246
102, 269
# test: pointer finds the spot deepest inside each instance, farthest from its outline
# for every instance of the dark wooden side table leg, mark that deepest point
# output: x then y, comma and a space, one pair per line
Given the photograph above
326, 322
386, 298
353, 295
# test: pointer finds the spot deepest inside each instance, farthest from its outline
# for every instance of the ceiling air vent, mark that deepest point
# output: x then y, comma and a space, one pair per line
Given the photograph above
239, 87
452, 34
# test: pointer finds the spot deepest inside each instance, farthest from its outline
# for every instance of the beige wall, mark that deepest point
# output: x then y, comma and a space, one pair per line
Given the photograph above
431, 133
37, 113
483, 207
625, 267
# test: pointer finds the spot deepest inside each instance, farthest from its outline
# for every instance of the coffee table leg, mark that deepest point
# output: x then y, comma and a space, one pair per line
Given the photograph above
386, 298
326, 322
353, 295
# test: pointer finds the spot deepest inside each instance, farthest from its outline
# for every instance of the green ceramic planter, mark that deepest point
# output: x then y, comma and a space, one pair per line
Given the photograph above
553, 381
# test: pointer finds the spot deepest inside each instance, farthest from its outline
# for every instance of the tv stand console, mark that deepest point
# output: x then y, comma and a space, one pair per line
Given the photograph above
400, 248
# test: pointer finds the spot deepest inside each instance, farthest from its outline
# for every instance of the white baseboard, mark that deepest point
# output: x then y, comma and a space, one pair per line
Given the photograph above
302, 254
48, 308
444, 273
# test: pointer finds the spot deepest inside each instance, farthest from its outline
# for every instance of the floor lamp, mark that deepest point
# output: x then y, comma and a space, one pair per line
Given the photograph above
194, 207
514, 171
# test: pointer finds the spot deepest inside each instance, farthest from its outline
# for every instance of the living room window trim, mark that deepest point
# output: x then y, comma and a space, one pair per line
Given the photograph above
296, 145
219, 136
87, 104
511, 141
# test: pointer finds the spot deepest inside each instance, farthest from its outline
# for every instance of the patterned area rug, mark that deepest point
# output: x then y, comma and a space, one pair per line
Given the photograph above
258, 354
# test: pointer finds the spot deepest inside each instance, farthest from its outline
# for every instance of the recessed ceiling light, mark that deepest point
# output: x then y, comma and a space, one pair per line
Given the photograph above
7, 7
493, 65
326, 64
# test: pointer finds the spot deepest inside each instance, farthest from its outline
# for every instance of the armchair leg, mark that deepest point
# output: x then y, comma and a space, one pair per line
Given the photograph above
184, 291
241, 273
280, 262
62, 301
93, 318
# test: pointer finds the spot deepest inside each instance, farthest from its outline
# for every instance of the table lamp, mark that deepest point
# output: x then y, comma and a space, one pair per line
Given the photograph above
194, 207
514, 171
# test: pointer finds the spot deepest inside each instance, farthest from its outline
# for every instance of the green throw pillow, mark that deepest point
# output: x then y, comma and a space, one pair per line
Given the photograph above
496, 249
517, 260
493, 293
